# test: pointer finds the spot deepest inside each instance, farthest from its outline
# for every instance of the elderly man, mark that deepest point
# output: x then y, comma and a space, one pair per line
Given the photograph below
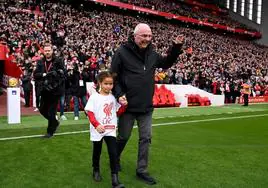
135, 63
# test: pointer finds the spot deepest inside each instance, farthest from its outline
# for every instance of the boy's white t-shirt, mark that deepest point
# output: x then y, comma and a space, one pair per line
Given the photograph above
104, 109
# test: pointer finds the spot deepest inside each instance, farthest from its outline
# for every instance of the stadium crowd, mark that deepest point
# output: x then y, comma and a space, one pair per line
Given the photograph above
191, 11
87, 40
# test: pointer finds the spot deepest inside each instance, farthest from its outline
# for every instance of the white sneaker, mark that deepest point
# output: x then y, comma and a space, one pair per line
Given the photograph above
63, 117
76, 118
57, 117
36, 109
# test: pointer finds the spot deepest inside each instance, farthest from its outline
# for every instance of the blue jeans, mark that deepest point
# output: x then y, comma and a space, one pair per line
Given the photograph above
62, 102
76, 104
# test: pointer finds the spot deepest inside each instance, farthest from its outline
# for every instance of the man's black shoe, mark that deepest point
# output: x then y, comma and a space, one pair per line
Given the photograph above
146, 178
96, 175
47, 135
115, 182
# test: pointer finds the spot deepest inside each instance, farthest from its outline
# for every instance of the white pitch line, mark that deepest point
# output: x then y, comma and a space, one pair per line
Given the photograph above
207, 120
37, 136
245, 109
154, 125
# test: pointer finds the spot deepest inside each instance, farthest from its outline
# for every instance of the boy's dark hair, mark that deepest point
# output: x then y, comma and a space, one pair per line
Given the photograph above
102, 75
48, 44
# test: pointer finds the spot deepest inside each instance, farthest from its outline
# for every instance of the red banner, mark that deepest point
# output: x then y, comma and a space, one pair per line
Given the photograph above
207, 6
14, 9
173, 16
259, 99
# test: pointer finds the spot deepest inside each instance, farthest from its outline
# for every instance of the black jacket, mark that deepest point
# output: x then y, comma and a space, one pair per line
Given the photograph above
135, 73
74, 79
56, 76
26, 82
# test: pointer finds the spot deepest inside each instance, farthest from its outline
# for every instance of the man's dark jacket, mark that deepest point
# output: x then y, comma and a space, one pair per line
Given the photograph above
54, 82
135, 71
74, 79
26, 82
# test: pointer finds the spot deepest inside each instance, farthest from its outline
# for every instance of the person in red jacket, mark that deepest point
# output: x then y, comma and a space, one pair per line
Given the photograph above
257, 89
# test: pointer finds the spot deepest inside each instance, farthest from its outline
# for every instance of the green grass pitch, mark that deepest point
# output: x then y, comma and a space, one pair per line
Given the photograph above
217, 147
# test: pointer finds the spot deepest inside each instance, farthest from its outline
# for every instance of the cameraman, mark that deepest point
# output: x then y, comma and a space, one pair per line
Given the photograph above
51, 72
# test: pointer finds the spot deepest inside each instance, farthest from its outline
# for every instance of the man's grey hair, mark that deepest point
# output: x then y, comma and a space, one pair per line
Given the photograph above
137, 28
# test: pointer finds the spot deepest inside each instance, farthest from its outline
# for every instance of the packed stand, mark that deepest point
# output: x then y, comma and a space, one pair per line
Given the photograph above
184, 9
87, 41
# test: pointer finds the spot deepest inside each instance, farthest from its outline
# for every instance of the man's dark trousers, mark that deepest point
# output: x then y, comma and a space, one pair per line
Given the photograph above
125, 126
245, 99
48, 108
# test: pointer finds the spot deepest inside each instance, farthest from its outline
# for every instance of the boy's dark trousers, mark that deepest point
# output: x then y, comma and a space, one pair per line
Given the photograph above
27, 95
48, 108
245, 99
37, 101
111, 146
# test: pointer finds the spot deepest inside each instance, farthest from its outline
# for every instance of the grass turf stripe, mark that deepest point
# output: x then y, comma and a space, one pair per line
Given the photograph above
154, 125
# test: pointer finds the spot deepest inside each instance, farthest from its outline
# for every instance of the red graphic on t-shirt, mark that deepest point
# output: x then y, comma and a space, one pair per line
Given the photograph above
108, 113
